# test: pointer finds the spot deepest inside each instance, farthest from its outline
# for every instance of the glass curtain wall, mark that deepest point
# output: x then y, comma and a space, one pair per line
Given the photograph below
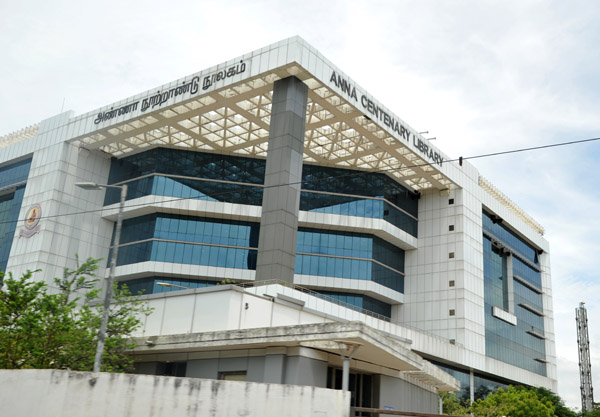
235, 179
482, 386
223, 243
13, 179
190, 240
339, 191
522, 345
349, 255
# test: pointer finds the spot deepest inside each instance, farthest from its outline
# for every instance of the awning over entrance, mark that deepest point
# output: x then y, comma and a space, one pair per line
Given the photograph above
374, 347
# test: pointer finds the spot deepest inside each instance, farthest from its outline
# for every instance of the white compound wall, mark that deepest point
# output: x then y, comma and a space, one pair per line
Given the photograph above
74, 394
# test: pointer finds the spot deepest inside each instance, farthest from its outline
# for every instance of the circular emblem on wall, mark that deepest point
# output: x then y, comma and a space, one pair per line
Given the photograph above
32, 218
32, 221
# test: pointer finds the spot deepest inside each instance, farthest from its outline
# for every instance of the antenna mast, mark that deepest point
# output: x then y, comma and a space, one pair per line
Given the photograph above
585, 365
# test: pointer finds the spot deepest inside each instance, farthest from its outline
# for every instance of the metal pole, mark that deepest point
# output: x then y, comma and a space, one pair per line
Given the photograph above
345, 373
109, 282
346, 362
472, 386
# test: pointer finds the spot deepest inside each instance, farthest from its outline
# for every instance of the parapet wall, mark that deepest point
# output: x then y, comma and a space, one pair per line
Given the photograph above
43, 392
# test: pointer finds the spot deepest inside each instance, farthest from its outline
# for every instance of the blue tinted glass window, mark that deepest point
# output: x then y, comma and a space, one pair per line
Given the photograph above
525, 295
162, 169
14, 173
350, 269
360, 302
495, 261
198, 165
345, 244
501, 232
153, 285
345, 181
355, 206
10, 205
463, 376
485, 386
194, 239
517, 345
11, 181
190, 229
482, 385
526, 272
188, 163
187, 253
188, 188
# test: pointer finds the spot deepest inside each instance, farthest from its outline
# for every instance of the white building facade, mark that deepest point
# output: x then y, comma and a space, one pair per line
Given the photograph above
279, 173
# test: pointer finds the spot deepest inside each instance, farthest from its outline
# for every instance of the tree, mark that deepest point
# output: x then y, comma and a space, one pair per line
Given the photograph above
514, 402
560, 409
43, 330
594, 413
452, 405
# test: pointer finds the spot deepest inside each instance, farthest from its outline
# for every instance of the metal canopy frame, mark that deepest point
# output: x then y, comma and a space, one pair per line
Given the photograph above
235, 120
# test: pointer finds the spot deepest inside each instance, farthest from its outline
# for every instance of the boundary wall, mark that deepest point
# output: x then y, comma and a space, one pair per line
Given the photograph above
47, 392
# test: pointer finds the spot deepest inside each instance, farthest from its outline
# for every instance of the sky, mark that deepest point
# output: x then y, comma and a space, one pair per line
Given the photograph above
480, 76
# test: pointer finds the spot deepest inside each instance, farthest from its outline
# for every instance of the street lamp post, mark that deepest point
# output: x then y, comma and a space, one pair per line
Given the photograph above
169, 285
113, 265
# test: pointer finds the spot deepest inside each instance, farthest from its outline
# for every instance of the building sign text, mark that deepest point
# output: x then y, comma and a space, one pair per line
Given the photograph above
380, 115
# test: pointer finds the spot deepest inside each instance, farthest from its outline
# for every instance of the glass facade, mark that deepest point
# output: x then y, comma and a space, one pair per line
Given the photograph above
12, 189
360, 183
162, 171
509, 238
462, 376
157, 184
529, 274
349, 255
521, 345
14, 173
320, 184
482, 385
360, 302
357, 206
151, 285
184, 253
485, 386
495, 267
234, 179
171, 238
189, 240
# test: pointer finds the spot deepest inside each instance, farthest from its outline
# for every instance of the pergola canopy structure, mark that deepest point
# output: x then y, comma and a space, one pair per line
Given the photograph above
227, 109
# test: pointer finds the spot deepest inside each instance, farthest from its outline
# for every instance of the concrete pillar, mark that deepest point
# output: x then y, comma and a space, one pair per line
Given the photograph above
345, 373
281, 198
275, 366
